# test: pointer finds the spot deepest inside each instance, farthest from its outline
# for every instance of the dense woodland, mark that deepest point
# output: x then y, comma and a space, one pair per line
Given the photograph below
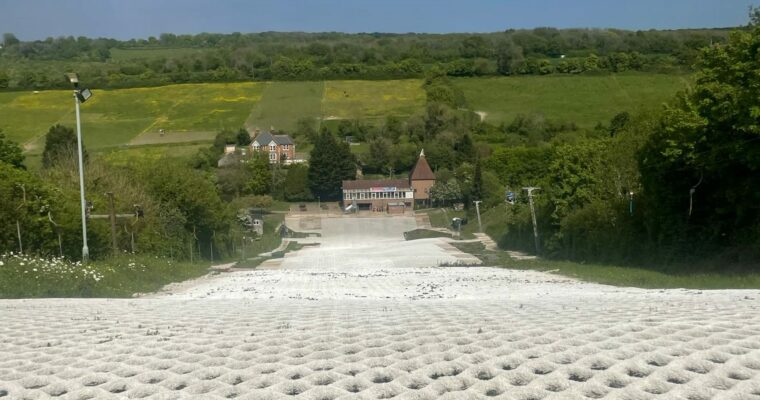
206, 57
659, 189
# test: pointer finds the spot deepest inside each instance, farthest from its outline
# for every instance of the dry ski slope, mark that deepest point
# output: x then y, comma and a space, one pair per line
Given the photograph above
368, 316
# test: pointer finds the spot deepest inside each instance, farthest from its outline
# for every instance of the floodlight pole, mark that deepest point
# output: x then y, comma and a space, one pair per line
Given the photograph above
85, 249
477, 209
533, 216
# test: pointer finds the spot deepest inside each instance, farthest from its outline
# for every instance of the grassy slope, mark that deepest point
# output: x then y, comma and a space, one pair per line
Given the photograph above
494, 224
615, 275
585, 100
25, 115
372, 99
283, 103
194, 112
115, 117
139, 154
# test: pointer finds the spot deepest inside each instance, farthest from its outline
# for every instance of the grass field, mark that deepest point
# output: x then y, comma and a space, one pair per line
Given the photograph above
139, 154
372, 99
283, 103
585, 100
192, 113
25, 115
116, 117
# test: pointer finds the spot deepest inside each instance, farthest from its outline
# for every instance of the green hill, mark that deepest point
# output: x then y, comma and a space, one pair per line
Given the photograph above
192, 113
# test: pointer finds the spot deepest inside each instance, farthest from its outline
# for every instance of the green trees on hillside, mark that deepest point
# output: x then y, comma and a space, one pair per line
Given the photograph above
701, 164
303, 56
667, 188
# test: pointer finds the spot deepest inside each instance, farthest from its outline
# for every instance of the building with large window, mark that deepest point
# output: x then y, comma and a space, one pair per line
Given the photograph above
390, 195
382, 195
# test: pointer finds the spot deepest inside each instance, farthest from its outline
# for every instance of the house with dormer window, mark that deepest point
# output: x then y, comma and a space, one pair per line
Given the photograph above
280, 148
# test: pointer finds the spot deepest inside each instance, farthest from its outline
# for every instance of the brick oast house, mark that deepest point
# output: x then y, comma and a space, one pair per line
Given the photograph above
422, 179
280, 148
394, 196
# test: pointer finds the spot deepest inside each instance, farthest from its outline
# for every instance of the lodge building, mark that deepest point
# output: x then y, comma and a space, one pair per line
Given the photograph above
389, 195
393, 196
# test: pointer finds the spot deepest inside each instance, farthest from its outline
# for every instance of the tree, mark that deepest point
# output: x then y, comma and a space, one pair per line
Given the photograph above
223, 138
259, 180
435, 119
445, 193
243, 138
4, 79
10, 152
474, 46
509, 58
36, 230
60, 141
297, 184
700, 165
9, 40
465, 149
477, 182
379, 156
618, 122
192, 194
305, 128
331, 163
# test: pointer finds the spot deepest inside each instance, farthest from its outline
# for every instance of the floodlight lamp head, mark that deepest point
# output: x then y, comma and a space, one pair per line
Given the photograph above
83, 95
73, 78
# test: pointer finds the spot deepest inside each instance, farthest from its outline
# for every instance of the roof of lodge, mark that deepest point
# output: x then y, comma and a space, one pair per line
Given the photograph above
373, 183
421, 170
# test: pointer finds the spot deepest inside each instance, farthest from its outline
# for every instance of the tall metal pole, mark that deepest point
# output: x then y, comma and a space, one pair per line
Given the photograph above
114, 245
477, 209
18, 224
85, 249
533, 216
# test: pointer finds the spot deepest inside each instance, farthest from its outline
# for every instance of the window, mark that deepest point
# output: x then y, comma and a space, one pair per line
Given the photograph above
285, 147
273, 156
272, 147
256, 146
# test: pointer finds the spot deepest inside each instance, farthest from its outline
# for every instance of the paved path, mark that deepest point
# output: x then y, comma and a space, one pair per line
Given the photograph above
369, 316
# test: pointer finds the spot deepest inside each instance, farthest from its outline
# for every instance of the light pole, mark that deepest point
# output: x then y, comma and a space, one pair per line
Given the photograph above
477, 209
80, 96
533, 216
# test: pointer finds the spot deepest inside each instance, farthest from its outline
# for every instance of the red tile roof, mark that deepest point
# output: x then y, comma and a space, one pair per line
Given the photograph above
422, 171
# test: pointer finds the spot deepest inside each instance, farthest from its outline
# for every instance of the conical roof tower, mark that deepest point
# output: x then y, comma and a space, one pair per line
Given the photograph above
421, 170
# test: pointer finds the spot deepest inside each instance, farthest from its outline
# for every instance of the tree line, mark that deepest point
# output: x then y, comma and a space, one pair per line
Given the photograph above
181, 213
674, 188
308, 56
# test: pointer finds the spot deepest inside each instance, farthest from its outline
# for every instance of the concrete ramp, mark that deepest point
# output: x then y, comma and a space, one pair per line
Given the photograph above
349, 243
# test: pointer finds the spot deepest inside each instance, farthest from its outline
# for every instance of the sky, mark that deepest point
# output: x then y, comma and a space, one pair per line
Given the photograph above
127, 19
